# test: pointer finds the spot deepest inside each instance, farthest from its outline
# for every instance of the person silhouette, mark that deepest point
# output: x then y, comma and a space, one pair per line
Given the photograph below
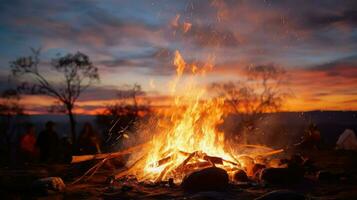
89, 141
27, 145
48, 142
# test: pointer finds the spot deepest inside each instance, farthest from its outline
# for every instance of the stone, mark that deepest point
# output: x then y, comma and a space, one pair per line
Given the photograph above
208, 179
281, 175
240, 176
48, 185
282, 195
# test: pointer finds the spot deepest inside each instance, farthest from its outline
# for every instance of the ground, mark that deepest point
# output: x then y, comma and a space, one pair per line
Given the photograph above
15, 183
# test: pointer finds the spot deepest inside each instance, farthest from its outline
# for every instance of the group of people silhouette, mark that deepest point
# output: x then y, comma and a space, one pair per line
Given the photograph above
48, 147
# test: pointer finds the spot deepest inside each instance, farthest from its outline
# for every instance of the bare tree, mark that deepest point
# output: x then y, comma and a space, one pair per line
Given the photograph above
121, 116
260, 93
77, 72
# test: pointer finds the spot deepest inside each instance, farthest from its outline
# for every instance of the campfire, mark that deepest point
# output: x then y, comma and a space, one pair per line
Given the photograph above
188, 138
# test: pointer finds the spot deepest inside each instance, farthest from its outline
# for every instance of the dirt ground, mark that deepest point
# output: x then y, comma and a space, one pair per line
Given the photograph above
15, 183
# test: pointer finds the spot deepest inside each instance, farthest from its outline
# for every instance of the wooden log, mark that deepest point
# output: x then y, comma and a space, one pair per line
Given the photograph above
161, 162
130, 168
182, 165
82, 158
270, 153
197, 165
234, 158
254, 146
162, 174
213, 159
217, 159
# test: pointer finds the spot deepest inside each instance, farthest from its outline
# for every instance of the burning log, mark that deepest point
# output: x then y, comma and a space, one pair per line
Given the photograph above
182, 165
213, 159
162, 174
161, 162
197, 165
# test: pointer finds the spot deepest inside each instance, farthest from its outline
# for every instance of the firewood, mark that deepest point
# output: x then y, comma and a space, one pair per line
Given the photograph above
90, 172
236, 163
197, 165
161, 161
82, 158
130, 168
181, 166
231, 162
270, 153
162, 174
184, 153
213, 159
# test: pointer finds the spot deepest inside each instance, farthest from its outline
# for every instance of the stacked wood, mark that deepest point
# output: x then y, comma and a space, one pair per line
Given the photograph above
193, 161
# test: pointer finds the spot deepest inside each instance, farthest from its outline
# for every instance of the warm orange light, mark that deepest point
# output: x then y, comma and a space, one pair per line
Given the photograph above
189, 125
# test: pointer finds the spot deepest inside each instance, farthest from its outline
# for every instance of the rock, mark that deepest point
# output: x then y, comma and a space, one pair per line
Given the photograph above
47, 185
281, 175
240, 176
324, 175
282, 195
211, 178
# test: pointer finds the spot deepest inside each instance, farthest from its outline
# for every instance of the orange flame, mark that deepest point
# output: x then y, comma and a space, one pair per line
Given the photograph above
189, 128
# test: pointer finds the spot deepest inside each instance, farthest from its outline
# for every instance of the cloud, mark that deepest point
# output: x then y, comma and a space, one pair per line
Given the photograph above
348, 17
314, 40
344, 67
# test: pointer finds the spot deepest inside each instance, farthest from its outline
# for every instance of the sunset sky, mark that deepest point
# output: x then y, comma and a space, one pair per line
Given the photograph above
133, 42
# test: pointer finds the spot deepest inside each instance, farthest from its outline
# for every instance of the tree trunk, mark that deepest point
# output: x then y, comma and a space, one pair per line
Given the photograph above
73, 125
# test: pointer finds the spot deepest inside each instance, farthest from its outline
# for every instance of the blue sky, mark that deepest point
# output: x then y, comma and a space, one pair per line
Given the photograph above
133, 41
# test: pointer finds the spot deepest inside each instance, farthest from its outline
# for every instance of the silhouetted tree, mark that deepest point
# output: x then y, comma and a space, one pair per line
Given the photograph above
262, 92
119, 117
77, 71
